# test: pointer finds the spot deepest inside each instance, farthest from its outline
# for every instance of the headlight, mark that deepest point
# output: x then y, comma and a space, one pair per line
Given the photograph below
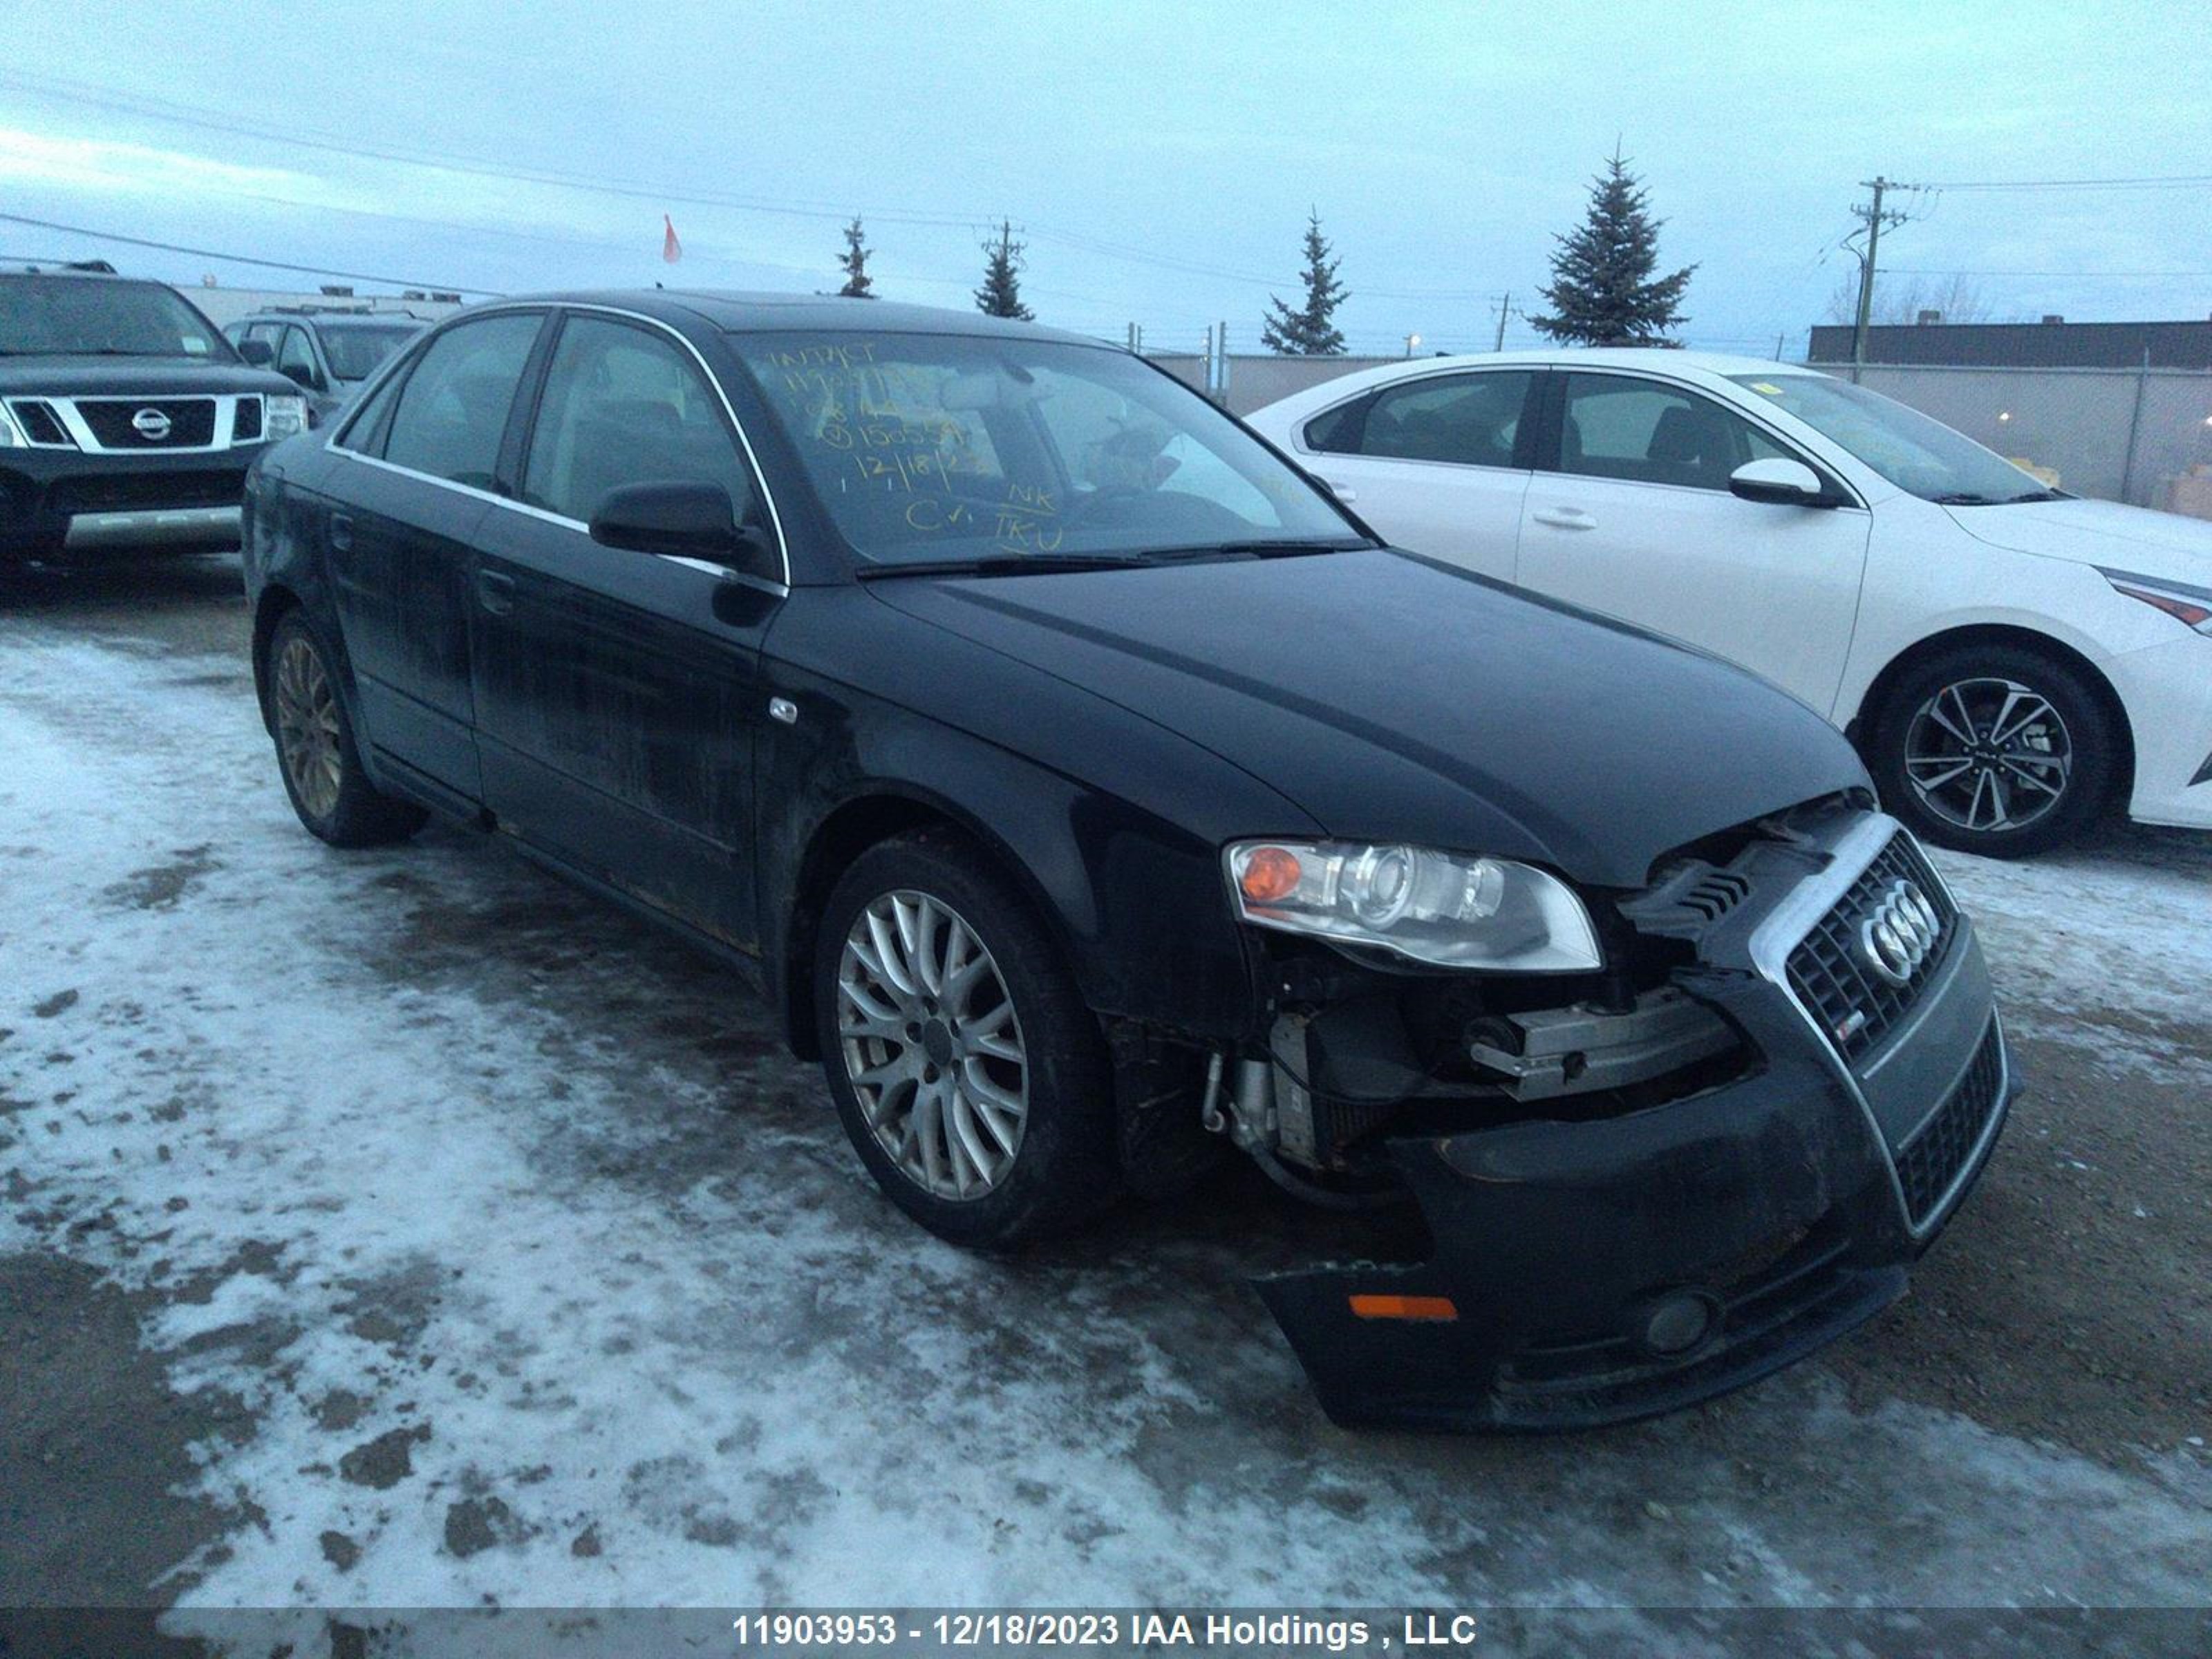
1430, 907
2189, 605
284, 417
11, 435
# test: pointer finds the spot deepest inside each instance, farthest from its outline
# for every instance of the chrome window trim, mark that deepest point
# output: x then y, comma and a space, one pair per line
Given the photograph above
1785, 927
746, 577
551, 308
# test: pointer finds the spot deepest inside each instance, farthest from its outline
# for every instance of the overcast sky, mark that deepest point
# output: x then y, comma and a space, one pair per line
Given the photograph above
1159, 158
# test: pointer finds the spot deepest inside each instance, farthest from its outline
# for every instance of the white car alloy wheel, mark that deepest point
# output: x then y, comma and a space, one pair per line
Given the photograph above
931, 1044
1989, 754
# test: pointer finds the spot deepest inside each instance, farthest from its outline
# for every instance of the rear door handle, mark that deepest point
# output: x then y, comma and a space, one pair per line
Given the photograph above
1566, 518
496, 591
341, 533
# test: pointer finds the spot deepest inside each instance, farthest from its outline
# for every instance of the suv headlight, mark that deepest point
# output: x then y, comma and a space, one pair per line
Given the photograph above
1435, 907
11, 435
2189, 605
284, 417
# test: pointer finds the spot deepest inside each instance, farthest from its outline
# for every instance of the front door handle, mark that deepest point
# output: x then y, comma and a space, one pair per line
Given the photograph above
496, 591
341, 533
1565, 517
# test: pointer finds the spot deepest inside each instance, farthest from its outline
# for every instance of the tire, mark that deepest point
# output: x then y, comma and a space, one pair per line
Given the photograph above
1013, 1177
316, 755
1999, 749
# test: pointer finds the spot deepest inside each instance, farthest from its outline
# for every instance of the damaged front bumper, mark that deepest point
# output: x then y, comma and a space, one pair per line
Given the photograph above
1595, 1270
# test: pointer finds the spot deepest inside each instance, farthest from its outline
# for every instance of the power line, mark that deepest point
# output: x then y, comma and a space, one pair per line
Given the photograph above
1911, 270
2174, 181
241, 259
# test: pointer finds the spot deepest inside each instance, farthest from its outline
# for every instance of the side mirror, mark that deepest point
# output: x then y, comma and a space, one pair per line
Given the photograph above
1778, 483
689, 520
259, 353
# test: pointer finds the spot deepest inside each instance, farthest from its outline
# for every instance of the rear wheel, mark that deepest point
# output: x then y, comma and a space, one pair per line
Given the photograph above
315, 748
1998, 750
968, 1071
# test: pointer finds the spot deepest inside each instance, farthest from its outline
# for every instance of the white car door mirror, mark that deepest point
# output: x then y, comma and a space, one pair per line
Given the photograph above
1778, 483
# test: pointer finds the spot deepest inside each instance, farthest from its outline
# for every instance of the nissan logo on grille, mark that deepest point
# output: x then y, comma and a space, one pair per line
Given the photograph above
1899, 933
150, 424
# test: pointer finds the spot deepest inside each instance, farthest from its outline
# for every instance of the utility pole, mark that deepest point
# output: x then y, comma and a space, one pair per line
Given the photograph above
1504, 310
1872, 216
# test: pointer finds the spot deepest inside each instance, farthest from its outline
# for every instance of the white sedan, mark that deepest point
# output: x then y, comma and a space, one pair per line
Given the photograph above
2010, 659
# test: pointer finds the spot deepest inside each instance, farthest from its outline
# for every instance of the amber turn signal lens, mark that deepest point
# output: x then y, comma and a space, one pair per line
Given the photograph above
1271, 875
1403, 1307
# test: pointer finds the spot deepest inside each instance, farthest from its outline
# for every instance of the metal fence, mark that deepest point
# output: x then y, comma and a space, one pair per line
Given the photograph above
2139, 435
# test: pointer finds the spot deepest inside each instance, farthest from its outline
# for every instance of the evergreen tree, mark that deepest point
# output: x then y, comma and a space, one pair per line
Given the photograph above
854, 263
1310, 330
1602, 292
1002, 293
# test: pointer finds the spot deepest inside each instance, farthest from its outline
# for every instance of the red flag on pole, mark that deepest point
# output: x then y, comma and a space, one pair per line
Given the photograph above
670, 249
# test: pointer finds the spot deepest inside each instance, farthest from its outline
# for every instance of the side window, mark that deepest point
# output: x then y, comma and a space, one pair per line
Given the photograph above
296, 355
624, 406
452, 410
1336, 431
264, 333
1473, 419
1648, 433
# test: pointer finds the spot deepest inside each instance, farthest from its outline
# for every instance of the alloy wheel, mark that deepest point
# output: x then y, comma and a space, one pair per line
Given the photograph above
307, 726
1989, 754
933, 1045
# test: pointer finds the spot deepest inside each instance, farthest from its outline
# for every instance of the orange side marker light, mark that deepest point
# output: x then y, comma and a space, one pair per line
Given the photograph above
1403, 1307
1271, 875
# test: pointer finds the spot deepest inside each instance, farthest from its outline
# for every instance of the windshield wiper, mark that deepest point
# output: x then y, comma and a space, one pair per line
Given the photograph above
1285, 548
2034, 496
1005, 564
1963, 498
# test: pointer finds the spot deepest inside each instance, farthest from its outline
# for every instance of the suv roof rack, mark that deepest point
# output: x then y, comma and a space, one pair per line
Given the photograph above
49, 267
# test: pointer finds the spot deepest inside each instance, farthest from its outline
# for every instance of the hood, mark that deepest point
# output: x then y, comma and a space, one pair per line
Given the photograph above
2098, 533
61, 376
1393, 699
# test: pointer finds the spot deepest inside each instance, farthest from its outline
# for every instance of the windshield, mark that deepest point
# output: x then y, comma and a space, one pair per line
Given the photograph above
84, 316
356, 349
930, 447
1912, 451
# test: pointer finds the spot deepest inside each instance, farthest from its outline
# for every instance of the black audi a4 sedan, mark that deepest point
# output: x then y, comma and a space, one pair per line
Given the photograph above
1091, 794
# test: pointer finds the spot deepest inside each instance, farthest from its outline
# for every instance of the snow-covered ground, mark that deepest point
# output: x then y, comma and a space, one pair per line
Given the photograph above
531, 1270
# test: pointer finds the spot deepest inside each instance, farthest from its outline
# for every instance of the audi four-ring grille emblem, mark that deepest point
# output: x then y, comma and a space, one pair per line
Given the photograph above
150, 424
1900, 933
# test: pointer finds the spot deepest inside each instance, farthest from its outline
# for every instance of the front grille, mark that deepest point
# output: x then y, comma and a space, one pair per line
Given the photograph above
40, 424
248, 425
1928, 1164
191, 422
124, 492
1853, 1005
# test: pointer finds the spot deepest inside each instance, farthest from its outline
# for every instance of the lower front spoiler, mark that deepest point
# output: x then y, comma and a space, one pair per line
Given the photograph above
1583, 1274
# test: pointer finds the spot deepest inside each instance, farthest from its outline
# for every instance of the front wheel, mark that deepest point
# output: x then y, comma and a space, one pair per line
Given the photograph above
2000, 750
315, 748
968, 1071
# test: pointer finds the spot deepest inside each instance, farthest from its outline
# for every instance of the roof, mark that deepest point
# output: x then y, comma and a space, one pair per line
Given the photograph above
1658, 359
2025, 345
332, 318
737, 312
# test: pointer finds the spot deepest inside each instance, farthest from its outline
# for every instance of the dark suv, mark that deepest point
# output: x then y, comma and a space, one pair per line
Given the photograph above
326, 353
126, 419
1092, 794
